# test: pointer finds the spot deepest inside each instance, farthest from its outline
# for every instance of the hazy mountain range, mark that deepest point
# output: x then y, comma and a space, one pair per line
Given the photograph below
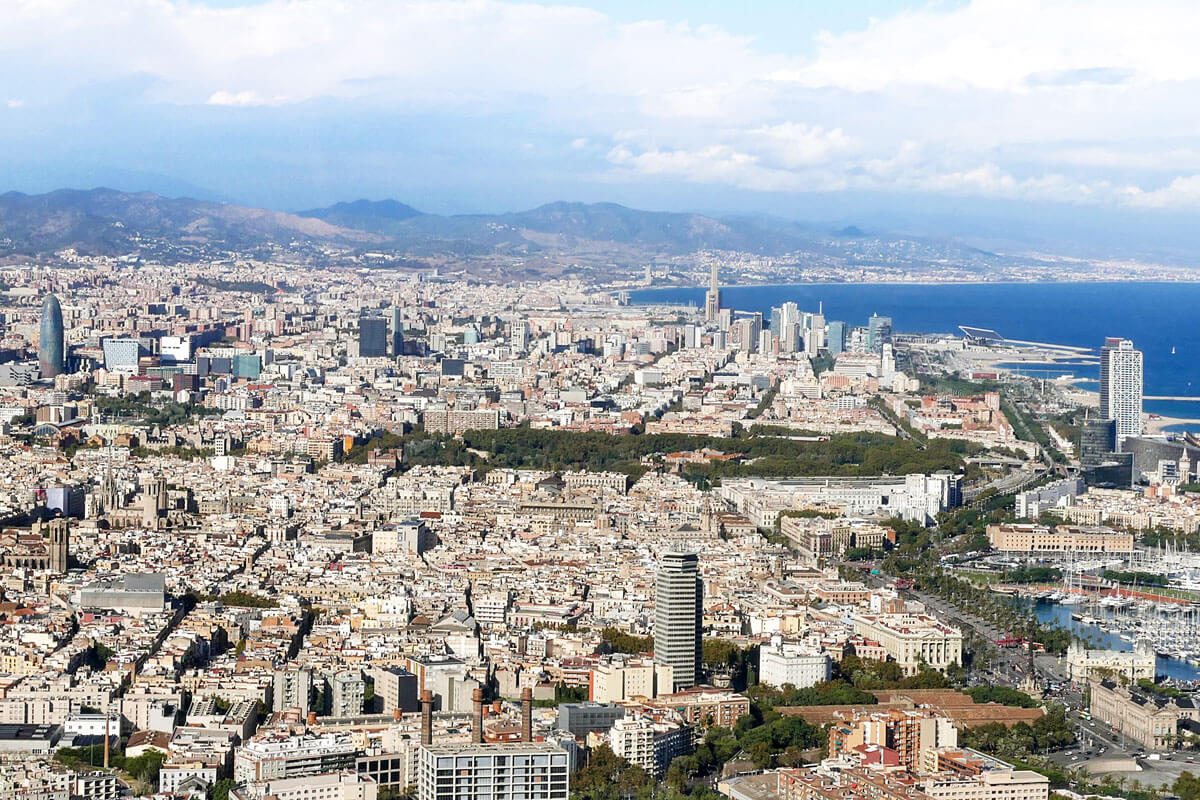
109, 222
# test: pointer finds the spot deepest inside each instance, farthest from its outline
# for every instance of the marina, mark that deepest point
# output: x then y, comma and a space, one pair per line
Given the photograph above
1170, 629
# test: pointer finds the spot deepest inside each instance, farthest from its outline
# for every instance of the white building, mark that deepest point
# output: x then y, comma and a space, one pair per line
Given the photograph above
1133, 665
793, 664
1060, 494
632, 738
330, 786
913, 640
1121, 387
530, 770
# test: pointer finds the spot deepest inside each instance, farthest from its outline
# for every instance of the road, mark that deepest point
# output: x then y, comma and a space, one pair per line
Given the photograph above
1096, 745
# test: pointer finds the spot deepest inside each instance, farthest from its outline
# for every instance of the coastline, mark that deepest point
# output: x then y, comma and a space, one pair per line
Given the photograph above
1007, 282
1155, 426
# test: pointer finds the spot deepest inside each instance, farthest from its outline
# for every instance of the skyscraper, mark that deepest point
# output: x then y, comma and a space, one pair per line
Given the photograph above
835, 339
1121, 387
372, 337
814, 337
879, 331
678, 610
397, 332
51, 353
712, 300
1097, 439
520, 336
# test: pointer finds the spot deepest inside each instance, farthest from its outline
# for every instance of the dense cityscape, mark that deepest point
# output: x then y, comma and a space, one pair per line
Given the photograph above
599, 400
284, 533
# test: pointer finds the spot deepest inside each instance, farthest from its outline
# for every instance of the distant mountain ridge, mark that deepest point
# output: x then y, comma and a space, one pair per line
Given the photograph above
367, 215
571, 224
107, 221
110, 222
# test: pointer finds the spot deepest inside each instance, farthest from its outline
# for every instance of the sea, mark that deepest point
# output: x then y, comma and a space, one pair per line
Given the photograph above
1156, 317
1056, 614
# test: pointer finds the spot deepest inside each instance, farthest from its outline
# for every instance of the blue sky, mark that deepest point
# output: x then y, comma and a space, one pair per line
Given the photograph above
1057, 109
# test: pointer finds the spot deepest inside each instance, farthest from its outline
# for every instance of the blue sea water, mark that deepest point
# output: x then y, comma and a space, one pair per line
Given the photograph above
1155, 316
1061, 615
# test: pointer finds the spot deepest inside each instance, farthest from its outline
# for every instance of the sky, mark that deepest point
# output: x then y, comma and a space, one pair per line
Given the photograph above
874, 110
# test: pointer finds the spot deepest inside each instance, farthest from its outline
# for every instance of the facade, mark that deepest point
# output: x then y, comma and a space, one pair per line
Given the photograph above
879, 333
1121, 387
293, 689
913, 640
678, 614
397, 688
397, 332
347, 691
648, 744
619, 679
1084, 665
47, 546
1010, 784
372, 337
451, 421
51, 349
509, 771
794, 664
332, 786
1019, 538
1151, 719
584, 718
913, 734
121, 355
712, 298
1031, 504
520, 336
1097, 438
293, 757
247, 365
704, 706
835, 337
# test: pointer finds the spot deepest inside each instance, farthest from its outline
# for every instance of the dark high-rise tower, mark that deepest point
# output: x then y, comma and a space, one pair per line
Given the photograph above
372, 337
397, 332
51, 352
678, 612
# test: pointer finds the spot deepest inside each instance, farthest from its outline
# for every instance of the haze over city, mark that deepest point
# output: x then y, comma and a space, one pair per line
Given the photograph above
934, 117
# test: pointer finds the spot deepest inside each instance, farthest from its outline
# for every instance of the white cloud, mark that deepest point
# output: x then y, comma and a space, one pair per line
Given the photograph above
15, 102
1094, 102
244, 98
1012, 45
1182, 192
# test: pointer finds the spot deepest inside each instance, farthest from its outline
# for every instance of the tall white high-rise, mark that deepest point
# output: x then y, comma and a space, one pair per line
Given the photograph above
678, 611
520, 336
1121, 376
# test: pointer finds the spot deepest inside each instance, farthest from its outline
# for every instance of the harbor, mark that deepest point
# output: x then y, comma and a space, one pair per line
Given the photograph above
1171, 630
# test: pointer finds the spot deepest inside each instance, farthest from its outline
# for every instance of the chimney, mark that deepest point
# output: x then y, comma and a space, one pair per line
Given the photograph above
106, 719
477, 699
312, 719
497, 707
397, 713
426, 716
527, 714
